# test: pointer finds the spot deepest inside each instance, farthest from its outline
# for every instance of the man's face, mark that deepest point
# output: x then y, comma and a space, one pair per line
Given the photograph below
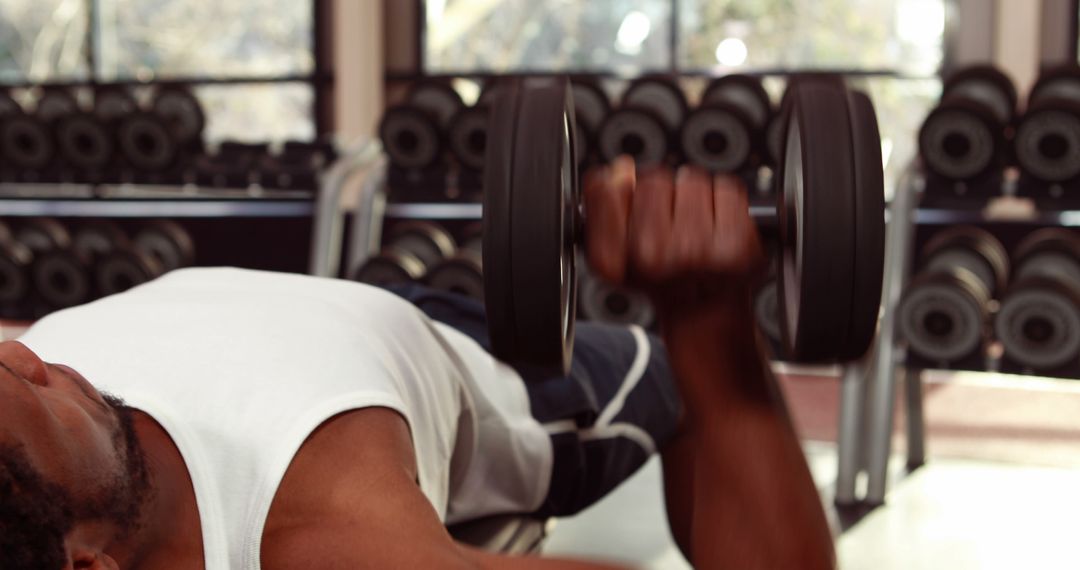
65, 426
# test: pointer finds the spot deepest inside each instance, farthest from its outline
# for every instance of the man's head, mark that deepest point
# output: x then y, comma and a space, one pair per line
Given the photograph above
72, 475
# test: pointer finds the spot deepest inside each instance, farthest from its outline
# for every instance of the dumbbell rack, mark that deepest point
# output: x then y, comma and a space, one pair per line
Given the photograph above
867, 408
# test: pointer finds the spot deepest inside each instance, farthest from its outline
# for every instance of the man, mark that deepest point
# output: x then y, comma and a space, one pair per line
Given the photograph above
282, 421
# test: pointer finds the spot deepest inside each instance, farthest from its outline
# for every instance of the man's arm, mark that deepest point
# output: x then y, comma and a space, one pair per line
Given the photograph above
739, 492
350, 500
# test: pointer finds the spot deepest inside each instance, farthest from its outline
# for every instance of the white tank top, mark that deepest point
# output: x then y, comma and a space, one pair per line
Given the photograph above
239, 367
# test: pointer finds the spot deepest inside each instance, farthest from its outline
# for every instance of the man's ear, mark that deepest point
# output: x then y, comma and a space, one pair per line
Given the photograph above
90, 560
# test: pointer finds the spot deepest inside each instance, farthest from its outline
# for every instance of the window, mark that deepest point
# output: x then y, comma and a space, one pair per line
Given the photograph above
252, 63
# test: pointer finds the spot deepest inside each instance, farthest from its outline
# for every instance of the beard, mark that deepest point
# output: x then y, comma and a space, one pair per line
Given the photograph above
119, 500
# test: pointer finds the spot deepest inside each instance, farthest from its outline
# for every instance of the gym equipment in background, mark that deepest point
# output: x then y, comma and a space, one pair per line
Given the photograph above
831, 222
726, 133
1038, 323
1047, 139
411, 249
645, 125
945, 311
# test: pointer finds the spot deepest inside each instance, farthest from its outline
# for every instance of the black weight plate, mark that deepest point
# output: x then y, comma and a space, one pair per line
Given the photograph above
467, 136
84, 142
55, 103
1049, 252
498, 251
816, 210
146, 142
181, 112
987, 85
660, 95
461, 274
61, 278
428, 241
95, 239
113, 104
591, 104
410, 137
25, 143
603, 303
718, 138
544, 212
390, 268
1047, 141
960, 140
168, 243
437, 98
15, 261
869, 226
1060, 82
1038, 323
42, 234
943, 315
124, 268
743, 92
956, 246
636, 132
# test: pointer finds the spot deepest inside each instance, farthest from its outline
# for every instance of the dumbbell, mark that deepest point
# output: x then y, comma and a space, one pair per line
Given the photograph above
15, 263
85, 140
591, 108
602, 302
413, 133
26, 144
60, 275
182, 114
945, 312
726, 133
118, 265
462, 272
296, 166
831, 224
645, 125
1047, 140
1038, 323
167, 242
234, 165
411, 249
467, 136
147, 145
964, 137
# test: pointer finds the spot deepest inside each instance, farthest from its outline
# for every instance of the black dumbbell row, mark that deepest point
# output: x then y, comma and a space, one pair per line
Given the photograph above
733, 129
976, 132
116, 140
965, 296
45, 265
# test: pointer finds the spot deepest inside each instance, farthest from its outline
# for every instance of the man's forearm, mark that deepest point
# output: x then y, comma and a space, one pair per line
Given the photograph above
742, 493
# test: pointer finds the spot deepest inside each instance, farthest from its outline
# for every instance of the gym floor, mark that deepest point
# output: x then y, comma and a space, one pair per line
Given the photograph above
1001, 487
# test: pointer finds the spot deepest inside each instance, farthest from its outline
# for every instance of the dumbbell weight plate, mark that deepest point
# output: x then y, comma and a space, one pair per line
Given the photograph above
531, 222
113, 104
816, 221
25, 143
181, 112
54, 104
959, 141
943, 315
1038, 323
604, 303
84, 142
60, 278
168, 243
427, 241
973, 249
767, 310
742, 92
468, 136
461, 274
717, 138
1049, 252
636, 132
1047, 142
390, 267
123, 268
94, 240
437, 98
869, 222
410, 137
661, 96
146, 143
42, 234
592, 106
15, 261
988, 86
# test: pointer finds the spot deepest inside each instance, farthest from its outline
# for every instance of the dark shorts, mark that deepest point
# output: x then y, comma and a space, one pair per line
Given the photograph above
617, 407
